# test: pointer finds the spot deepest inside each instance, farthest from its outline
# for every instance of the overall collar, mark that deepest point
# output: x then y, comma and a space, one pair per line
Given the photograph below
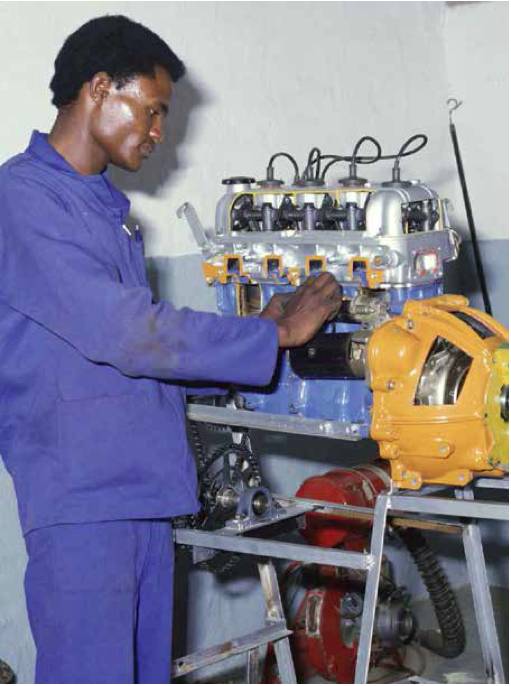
99, 184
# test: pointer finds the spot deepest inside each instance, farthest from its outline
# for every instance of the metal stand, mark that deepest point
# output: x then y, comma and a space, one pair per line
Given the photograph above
463, 506
275, 632
464, 510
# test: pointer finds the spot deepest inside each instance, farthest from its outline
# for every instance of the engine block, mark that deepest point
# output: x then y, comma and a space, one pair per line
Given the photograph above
366, 374
385, 243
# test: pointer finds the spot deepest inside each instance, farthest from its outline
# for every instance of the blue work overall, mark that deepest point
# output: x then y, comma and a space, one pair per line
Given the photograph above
93, 378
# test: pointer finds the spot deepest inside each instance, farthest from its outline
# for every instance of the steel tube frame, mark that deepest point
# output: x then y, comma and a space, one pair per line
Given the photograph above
274, 549
463, 506
210, 656
371, 591
480, 509
345, 431
483, 605
275, 614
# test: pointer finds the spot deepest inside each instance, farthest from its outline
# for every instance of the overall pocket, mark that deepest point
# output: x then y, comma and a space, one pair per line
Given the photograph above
102, 443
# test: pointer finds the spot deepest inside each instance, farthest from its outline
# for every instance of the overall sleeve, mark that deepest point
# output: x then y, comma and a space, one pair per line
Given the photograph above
53, 272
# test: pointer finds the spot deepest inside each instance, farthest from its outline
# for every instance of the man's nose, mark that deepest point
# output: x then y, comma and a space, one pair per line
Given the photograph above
156, 133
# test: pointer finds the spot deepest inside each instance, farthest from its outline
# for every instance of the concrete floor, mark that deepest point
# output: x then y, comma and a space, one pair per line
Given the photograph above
466, 669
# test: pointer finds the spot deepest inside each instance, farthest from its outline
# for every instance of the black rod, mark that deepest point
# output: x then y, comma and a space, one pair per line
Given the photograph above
470, 218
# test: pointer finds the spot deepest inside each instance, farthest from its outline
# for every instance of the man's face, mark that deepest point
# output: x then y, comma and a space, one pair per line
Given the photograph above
129, 121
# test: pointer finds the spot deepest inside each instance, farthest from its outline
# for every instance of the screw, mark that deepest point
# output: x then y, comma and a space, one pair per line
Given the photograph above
390, 384
409, 324
311, 352
461, 477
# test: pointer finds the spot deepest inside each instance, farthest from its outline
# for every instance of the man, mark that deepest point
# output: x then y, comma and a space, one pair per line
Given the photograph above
92, 372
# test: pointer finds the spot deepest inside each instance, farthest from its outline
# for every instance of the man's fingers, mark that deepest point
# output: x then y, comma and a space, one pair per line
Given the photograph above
330, 289
316, 282
308, 283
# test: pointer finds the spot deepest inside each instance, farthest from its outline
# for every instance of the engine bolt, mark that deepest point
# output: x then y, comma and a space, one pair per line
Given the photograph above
390, 384
410, 324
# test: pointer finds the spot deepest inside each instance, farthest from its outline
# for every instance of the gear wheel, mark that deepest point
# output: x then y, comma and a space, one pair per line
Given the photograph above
222, 476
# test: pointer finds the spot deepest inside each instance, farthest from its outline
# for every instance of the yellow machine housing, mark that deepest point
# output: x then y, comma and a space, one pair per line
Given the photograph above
440, 378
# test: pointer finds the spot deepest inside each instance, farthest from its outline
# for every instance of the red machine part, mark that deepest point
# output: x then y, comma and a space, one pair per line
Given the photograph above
319, 631
317, 643
357, 486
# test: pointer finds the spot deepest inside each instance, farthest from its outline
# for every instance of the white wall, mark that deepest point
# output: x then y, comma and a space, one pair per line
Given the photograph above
261, 77
264, 77
477, 52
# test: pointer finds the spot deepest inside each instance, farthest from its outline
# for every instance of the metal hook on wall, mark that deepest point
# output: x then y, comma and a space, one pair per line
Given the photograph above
452, 108
454, 104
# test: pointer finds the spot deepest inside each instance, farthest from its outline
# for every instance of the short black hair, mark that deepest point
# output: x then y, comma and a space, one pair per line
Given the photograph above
116, 45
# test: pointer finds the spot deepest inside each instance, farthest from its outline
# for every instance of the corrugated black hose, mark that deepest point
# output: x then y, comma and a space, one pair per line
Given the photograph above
450, 641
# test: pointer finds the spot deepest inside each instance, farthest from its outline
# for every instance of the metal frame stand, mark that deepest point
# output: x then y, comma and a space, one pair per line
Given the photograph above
463, 510
275, 632
462, 506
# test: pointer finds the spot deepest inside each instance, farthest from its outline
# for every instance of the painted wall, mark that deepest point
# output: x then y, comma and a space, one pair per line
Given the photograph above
264, 77
477, 61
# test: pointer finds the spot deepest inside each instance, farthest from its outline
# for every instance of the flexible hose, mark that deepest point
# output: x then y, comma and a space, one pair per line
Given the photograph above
450, 642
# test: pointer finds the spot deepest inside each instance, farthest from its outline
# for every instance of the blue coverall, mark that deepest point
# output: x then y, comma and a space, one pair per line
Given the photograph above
92, 403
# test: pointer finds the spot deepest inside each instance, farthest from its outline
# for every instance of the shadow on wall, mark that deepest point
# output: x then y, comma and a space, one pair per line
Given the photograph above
461, 276
164, 162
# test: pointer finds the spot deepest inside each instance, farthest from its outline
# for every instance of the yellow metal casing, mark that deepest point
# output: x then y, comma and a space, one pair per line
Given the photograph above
499, 381
374, 276
445, 443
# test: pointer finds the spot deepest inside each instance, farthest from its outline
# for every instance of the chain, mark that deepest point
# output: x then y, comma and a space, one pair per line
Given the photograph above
222, 563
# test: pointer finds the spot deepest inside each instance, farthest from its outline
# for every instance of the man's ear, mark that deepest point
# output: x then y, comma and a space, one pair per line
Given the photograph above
100, 86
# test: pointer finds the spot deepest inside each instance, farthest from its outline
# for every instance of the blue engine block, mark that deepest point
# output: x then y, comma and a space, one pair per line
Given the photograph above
348, 401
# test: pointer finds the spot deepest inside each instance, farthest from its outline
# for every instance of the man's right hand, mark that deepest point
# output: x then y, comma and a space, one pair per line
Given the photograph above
300, 315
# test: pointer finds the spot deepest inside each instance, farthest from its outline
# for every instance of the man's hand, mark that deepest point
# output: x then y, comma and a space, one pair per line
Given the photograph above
301, 314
